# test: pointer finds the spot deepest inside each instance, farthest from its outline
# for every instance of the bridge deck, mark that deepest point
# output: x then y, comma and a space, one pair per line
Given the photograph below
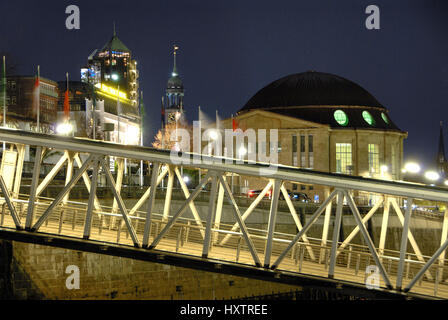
349, 269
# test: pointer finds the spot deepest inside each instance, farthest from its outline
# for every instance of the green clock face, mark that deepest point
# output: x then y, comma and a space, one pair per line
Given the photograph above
341, 117
368, 118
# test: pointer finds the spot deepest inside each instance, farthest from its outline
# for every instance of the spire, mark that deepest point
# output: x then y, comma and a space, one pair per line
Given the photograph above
441, 159
174, 65
115, 33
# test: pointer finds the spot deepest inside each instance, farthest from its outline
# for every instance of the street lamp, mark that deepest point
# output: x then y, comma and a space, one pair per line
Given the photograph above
412, 167
432, 175
132, 135
242, 151
64, 128
213, 134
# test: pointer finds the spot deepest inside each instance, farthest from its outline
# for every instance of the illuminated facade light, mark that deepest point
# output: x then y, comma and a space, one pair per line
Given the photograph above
111, 91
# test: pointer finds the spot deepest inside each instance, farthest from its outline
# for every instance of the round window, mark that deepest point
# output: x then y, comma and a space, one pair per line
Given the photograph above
383, 115
368, 118
341, 117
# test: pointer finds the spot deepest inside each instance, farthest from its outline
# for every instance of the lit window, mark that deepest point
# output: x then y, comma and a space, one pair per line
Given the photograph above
368, 118
294, 150
344, 158
341, 117
302, 151
374, 159
310, 152
383, 115
394, 162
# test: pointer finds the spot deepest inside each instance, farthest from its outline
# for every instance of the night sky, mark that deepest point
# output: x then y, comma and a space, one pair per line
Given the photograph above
231, 49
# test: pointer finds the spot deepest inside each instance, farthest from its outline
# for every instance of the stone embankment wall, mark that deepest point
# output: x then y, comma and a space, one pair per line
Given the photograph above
41, 274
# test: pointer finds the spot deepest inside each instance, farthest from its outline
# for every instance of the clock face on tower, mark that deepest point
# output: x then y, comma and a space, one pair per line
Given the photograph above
172, 117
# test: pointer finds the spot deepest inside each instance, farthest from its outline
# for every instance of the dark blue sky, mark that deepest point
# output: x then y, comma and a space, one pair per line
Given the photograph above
231, 49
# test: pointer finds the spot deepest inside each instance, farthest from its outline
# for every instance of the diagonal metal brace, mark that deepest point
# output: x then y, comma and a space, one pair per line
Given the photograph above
11, 206
62, 194
120, 203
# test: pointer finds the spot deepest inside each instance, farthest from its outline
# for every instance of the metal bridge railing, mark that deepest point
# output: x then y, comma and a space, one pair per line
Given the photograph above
205, 235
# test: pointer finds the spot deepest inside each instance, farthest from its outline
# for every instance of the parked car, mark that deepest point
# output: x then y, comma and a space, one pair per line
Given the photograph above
296, 196
255, 193
299, 196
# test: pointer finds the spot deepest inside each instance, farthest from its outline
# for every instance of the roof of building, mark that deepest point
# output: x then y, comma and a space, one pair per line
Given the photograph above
175, 82
32, 77
316, 96
311, 89
115, 44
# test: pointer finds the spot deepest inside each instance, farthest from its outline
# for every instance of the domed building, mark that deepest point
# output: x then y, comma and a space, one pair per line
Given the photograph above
325, 123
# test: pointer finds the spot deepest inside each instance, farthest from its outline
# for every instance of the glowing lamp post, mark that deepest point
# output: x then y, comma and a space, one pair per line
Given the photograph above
412, 167
242, 151
213, 135
432, 176
64, 128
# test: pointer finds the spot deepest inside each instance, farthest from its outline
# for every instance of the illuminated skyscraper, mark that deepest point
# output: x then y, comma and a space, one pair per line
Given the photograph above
113, 67
113, 74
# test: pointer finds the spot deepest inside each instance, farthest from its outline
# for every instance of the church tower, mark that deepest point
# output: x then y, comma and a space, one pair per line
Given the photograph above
174, 96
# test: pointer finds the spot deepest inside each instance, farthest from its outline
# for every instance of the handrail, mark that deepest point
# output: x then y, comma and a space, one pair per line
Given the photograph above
281, 172
136, 217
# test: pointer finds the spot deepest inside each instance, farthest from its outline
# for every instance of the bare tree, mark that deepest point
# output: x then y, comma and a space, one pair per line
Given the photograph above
165, 139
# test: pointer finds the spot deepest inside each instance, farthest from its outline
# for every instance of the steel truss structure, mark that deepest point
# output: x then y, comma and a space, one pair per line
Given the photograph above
206, 236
